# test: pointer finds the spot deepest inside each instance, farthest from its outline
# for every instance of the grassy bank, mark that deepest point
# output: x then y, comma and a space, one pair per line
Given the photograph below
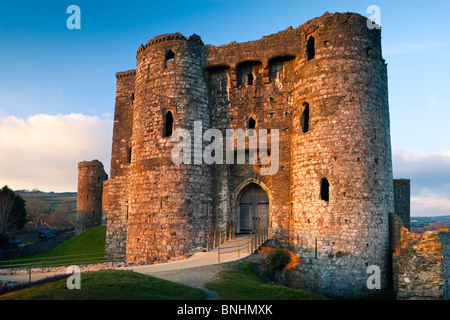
242, 283
109, 285
90, 242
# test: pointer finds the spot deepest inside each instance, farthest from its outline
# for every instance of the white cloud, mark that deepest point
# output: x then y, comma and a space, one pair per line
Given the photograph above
430, 180
428, 169
43, 151
431, 203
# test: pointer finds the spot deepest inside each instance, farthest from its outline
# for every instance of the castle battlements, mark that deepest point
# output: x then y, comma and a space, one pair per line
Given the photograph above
126, 73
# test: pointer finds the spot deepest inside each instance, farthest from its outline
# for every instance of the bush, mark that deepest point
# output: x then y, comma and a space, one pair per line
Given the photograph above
275, 261
4, 242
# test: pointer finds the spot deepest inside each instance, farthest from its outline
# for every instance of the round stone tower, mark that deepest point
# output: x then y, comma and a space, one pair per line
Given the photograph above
91, 176
169, 204
341, 181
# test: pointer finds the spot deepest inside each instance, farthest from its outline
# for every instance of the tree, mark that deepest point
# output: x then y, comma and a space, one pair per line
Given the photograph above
36, 208
59, 219
436, 226
12, 212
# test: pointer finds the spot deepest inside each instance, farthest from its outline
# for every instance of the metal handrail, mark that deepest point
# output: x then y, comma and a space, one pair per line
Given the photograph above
59, 261
255, 240
218, 236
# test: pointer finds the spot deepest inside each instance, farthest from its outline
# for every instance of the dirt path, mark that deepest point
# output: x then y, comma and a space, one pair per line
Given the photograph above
195, 277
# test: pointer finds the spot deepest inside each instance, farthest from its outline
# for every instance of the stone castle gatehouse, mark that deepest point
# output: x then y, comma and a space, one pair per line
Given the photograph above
323, 86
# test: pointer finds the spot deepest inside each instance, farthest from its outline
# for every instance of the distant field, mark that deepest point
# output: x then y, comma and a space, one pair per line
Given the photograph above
420, 224
54, 199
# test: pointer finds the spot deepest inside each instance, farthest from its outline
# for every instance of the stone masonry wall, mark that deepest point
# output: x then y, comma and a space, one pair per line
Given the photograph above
91, 176
445, 243
118, 206
420, 265
402, 191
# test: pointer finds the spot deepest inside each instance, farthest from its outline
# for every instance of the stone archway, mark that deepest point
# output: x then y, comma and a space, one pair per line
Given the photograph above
252, 207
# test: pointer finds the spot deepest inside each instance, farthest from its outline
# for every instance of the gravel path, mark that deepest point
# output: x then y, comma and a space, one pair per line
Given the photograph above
195, 277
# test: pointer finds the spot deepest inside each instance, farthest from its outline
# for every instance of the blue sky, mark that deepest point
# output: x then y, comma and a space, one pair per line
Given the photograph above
52, 77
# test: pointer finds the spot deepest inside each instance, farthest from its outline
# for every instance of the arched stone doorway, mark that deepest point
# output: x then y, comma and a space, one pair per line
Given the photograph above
253, 209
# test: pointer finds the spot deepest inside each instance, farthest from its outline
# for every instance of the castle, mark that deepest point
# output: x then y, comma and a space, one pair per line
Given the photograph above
321, 86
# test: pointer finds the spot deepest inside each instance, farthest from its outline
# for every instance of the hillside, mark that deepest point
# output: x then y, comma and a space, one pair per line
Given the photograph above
90, 241
49, 209
54, 199
421, 224
88, 245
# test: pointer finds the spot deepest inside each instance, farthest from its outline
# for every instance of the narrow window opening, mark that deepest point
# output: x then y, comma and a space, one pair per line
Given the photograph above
304, 121
276, 66
169, 56
128, 154
245, 72
324, 189
132, 98
251, 123
168, 124
310, 50
250, 79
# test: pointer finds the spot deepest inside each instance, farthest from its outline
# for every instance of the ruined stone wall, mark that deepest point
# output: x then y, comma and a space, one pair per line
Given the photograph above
402, 191
91, 176
444, 237
421, 265
118, 197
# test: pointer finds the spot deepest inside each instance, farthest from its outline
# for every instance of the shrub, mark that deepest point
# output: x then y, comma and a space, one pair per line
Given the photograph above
275, 261
4, 242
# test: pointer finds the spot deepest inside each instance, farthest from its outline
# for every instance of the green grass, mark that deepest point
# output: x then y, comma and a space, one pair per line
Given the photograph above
89, 242
242, 283
109, 285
